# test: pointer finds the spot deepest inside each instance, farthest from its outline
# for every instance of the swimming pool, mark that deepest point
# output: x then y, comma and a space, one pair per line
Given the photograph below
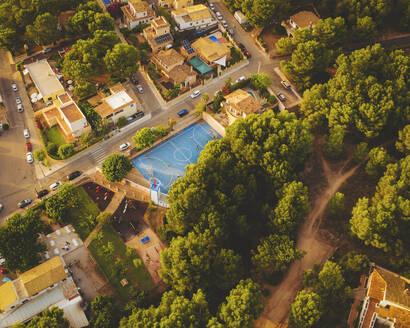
167, 161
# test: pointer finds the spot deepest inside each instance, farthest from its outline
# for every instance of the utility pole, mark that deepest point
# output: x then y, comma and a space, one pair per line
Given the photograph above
259, 67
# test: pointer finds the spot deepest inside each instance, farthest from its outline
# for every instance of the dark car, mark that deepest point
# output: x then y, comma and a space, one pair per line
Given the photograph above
73, 175
139, 114
42, 193
24, 203
182, 112
247, 53
241, 46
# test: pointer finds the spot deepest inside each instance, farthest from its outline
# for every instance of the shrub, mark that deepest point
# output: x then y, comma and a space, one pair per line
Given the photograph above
137, 263
122, 121
360, 152
39, 155
160, 131
66, 150
104, 218
52, 149
144, 138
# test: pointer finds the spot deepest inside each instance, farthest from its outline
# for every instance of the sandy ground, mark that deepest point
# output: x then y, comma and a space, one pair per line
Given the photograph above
316, 243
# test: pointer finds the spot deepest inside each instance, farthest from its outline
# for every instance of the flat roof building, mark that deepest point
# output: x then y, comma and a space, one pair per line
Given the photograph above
45, 79
193, 17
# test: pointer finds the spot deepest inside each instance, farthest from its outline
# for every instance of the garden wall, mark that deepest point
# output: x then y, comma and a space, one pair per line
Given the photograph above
213, 123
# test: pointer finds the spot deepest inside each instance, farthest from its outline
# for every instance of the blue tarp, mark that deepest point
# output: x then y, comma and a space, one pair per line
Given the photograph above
145, 240
214, 39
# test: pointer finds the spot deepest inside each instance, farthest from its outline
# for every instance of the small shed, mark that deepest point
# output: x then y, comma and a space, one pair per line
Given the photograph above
240, 17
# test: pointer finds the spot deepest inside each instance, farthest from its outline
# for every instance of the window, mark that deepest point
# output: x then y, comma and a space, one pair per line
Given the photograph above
132, 105
109, 116
120, 111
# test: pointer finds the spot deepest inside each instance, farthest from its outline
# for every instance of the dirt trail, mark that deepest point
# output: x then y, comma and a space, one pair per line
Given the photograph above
310, 240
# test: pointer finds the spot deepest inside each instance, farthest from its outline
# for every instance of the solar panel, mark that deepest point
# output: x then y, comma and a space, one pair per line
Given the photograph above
187, 46
163, 38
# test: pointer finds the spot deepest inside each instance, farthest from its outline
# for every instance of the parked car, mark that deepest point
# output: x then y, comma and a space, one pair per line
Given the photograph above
285, 84
18, 100
1, 208
195, 94
211, 5
24, 203
139, 114
42, 193
29, 157
55, 185
26, 133
241, 46
134, 80
281, 96
140, 89
28, 146
218, 15
125, 146
247, 53
20, 108
242, 78
47, 50
224, 24
231, 31
182, 112
73, 175
14, 87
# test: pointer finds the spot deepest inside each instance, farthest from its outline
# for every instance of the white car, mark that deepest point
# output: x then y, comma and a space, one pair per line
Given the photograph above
224, 24
211, 5
18, 100
140, 89
285, 84
20, 108
29, 157
218, 15
55, 185
242, 78
14, 87
26, 133
125, 146
195, 94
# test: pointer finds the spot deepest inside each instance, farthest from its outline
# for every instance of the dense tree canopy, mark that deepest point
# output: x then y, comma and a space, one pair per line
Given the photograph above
382, 221
66, 198
18, 241
50, 318
104, 313
378, 161
122, 60
115, 167
306, 310
403, 140
368, 94
44, 29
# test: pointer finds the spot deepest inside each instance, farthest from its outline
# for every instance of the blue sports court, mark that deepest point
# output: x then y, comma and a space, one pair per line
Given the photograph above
167, 161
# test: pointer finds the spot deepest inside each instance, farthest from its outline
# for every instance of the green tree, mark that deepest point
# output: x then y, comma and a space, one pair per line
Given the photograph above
78, 23
102, 22
365, 29
274, 254
330, 31
378, 161
360, 152
122, 121
306, 310
160, 131
403, 140
104, 218
243, 305
84, 89
19, 244
336, 206
308, 64
50, 318
9, 39
353, 265
66, 150
144, 138
285, 46
66, 198
104, 313
173, 311
39, 155
122, 60
52, 149
260, 81
115, 167
263, 13
44, 29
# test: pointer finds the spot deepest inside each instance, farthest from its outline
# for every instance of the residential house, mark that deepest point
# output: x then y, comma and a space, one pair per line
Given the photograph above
38, 289
211, 51
158, 35
66, 115
240, 104
118, 103
193, 17
173, 67
302, 19
176, 4
137, 12
387, 301
45, 80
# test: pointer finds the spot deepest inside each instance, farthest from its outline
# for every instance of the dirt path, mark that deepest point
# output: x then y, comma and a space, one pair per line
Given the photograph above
309, 239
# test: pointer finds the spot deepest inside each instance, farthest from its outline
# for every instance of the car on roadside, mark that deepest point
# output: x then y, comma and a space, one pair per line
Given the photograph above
55, 185
242, 78
14, 87
28, 146
247, 54
242, 47
24, 203
42, 193
140, 89
281, 96
20, 108
29, 157
18, 100
182, 112
134, 80
224, 24
139, 115
73, 175
125, 146
26, 133
195, 94
218, 15
285, 84
1, 208
212, 6
46, 50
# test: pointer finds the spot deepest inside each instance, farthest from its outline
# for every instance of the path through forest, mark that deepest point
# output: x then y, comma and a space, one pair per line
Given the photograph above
313, 242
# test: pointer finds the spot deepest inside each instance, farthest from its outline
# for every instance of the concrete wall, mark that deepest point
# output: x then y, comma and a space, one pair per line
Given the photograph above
213, 123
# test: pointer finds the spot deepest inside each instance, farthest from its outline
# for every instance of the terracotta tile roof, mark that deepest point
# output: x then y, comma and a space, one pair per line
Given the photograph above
402, 316
243, 101
159, 22
377, 286
8, 295
139, 6
64, 98
304, 18
169, 57
43, 275
396, 287
180, 73
210, 50
72, 112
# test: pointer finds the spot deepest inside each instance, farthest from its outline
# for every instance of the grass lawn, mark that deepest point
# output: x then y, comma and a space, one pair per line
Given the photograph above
138, 277
83, 217
54, 135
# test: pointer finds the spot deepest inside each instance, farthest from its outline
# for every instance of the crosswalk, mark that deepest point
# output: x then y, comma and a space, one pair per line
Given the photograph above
98, 155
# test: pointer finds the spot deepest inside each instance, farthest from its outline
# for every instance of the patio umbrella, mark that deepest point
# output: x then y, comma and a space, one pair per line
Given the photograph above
5, 279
